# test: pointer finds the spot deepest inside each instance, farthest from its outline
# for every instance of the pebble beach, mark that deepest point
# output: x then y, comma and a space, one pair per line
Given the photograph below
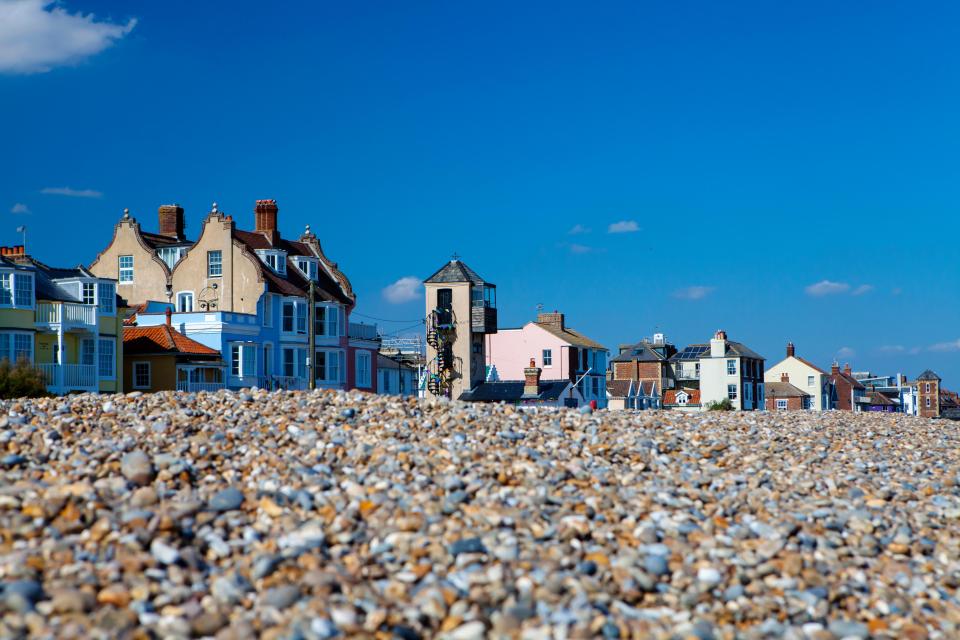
327, 514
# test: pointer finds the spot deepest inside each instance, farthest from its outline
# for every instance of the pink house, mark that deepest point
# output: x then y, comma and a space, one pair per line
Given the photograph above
561, 352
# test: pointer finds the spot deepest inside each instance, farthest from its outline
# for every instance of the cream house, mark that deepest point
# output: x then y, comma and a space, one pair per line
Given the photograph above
807, 377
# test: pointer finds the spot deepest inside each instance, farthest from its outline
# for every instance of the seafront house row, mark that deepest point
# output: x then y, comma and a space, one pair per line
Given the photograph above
815, 384
709, 373
244, 295
65, 321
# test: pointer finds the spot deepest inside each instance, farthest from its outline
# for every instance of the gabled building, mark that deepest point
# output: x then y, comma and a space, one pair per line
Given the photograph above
646, 361
246, 295
66, 321
720, 370
562, 352
783, 396
632, 395
806, 376
683, 400
160, 358
849, 391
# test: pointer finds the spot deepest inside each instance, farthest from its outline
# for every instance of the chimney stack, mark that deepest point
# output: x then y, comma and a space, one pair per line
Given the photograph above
169, 316
784, 377
718, 346
791, 351
531, 380
16, 250
265, 218
554, 319
835, 368
171, 221
846, 369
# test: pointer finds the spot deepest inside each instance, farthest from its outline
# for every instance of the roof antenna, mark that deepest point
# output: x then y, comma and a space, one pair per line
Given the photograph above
455, 257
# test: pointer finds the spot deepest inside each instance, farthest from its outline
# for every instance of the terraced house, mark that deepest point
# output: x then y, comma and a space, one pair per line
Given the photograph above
244, 294
67, 322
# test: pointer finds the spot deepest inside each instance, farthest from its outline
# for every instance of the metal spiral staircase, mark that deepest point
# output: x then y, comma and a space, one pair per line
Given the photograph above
441, 330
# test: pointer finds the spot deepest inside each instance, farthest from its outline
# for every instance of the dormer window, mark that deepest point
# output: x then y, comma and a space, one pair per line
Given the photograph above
308, 266
275, 259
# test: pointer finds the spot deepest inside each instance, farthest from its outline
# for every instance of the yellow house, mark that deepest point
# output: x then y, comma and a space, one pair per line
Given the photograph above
74, 322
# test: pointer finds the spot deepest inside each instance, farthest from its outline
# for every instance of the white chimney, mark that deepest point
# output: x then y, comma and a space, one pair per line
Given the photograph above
718, 346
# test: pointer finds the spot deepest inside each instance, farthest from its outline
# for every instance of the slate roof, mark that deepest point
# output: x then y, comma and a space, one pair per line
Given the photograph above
512, 391
569, 335
157, 240
928, 375
162, 339
784, 390
643, 351
456, 271
734, 350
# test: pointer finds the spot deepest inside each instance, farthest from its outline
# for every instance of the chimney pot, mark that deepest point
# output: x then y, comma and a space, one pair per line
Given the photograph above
791, 351
171, 221
169, 316
846, 369
265, 219
835, 368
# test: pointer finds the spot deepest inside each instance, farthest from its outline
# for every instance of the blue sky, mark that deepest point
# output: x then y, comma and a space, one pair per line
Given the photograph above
782, 172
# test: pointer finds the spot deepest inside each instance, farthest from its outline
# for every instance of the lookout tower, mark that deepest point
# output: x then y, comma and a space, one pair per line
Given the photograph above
461, 310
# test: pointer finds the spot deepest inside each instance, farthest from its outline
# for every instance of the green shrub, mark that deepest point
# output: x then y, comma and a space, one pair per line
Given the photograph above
721, 405
21, 380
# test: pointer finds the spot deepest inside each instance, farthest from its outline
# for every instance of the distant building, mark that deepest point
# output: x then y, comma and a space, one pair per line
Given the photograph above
784, 396
529, 392
900, 394
849, 391
928, 394
646, 361
682, 399
720, 370
461, 310
815, 383
562, 352
396, 377
632, 395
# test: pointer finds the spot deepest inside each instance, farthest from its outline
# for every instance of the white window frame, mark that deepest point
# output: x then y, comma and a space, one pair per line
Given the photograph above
101, 353
731, 367
928, 403
732, 392
91, 288
125, 274
339, 362
18, 279
309, 267
300, 316
136, 378
275, 260
216, 265
106, 300
183, 295
362, 355
682, 398
240, 355
781, 405
811, 381
547, 358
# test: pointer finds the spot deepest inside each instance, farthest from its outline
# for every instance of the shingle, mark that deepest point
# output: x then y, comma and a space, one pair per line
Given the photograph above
456, 271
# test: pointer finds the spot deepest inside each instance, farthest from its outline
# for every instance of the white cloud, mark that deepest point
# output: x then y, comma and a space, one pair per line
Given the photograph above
862, 289
72, 193
892, 348
946, 346
826, 288
578, 229
624, 226
403, 290
19, 208
579, 248
845, 352
696, 292
38, 35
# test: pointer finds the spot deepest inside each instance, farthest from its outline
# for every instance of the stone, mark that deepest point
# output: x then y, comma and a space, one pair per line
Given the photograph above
137, 467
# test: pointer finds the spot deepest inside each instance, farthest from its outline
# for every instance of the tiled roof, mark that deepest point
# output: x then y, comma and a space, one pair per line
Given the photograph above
455, 271
618, 388
670, 396
512, 391
162, 339
783, 390
567, 334
875, 397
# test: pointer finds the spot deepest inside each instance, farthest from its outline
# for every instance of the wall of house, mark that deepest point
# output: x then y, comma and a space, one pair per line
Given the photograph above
469, 368
799, 373
511, 350
163, 372
714, 381
149, 272
17, 319
793, 404
933, 395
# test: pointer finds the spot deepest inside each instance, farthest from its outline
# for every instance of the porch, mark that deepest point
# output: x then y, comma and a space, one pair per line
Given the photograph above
200, 377
67, 378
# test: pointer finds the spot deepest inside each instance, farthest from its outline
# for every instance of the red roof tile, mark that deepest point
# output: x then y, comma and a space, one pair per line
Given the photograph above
162, 339
670, 396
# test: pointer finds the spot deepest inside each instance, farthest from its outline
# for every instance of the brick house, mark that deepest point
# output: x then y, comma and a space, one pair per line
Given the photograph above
646, 361
928, 394
849, 390
783, 396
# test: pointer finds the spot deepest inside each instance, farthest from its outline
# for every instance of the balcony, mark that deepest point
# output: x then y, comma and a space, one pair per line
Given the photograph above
63, 378
688, 374
483, 319
273, 383
66, 315
363, 331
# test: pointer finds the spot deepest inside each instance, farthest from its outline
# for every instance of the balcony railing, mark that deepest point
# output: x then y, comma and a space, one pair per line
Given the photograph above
193, 387
66, 314
288, 383
68, 376
687, 374
363, 331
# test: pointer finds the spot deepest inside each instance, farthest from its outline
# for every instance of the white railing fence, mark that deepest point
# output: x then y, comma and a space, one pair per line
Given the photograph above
69, 376
68, 312
184, 385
